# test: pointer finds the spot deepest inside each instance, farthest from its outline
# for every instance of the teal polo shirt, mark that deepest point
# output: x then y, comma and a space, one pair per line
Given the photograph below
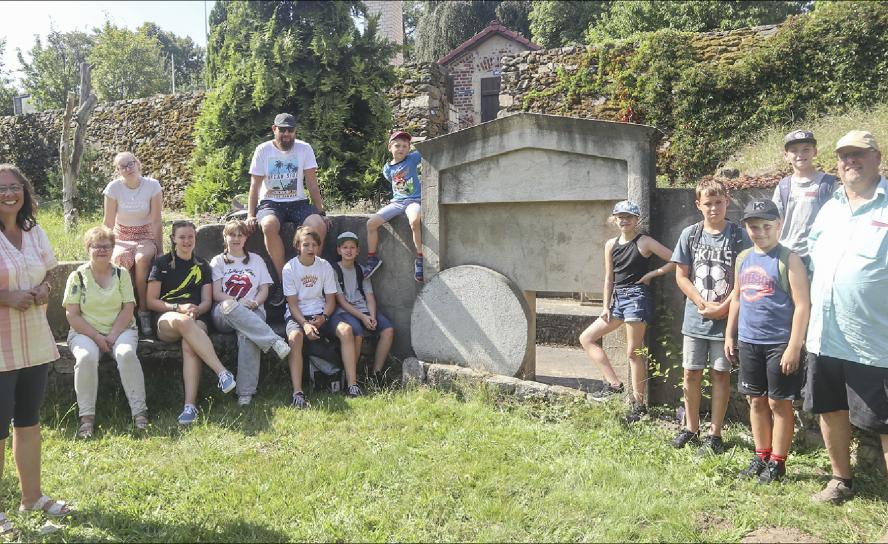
849, 290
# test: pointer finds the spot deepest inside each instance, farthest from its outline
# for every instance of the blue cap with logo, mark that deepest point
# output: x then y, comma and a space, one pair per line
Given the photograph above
627, 206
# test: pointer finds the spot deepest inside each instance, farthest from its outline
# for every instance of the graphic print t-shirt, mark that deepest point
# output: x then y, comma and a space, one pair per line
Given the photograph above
309, 284
182, 284
404, 177
711, 268
240, 279
765, 308
283, 171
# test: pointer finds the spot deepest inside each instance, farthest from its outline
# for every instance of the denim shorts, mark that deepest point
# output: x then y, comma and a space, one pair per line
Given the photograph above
291, 211
632, 304
396, 207
382, 323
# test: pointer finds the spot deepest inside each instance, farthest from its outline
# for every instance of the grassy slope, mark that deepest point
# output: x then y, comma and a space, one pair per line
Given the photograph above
415, 465
764, 154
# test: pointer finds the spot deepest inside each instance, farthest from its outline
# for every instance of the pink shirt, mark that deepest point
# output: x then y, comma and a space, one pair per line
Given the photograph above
25, 337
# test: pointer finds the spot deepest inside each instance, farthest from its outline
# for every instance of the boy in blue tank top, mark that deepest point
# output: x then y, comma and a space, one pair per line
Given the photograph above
769, 309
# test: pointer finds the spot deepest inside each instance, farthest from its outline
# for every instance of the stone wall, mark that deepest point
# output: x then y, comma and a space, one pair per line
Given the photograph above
419, 100
527, 73
157, 129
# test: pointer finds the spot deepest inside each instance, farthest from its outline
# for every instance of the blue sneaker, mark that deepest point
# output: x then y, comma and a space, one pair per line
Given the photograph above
226, 381
373, 264
417, 269
188, 415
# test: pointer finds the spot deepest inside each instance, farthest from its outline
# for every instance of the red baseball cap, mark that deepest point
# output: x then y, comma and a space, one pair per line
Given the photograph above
400, 135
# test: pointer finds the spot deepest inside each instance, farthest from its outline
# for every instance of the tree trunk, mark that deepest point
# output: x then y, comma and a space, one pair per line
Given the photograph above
71, 150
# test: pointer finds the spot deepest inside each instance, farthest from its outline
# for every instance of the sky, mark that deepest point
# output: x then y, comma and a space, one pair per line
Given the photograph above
20, 21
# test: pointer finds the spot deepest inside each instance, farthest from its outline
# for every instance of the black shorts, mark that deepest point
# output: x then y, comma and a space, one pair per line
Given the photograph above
292, 211
836, 384
21, 395
761, 376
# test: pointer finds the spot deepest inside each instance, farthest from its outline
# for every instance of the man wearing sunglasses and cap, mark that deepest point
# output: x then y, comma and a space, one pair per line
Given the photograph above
848, 244
280, 171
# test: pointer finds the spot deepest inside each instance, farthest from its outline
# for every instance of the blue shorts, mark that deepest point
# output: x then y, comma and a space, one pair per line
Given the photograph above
632, 304
396, 207
291, 211
382, 323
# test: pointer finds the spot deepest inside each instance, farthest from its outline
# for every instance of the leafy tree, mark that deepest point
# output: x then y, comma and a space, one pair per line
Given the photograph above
554, 23
625, 18
411, 12
127, 64
302, 57
180, 52
514, 14
7, 91
445, 25
54, 69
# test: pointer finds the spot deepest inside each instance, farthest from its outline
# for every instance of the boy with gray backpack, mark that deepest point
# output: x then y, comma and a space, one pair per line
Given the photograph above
800, 195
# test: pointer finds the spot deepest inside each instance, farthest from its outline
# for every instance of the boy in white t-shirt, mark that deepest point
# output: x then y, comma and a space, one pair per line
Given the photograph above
309, 285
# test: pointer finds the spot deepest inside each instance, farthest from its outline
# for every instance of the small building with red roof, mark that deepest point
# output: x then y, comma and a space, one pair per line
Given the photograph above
474, 69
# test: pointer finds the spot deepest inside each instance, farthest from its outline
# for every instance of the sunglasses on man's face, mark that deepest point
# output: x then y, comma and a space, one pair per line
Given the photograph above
286, 129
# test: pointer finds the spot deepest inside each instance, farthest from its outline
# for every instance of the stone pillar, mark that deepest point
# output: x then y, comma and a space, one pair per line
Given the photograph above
391, 23
529, 366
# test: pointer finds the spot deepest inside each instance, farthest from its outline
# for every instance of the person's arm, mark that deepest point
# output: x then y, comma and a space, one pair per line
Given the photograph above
314, 190
79, 324
206, 300
156, 221
731, 328
608, 289
20, 300
261, 295
801, 299
110, 212
155, 304
650, 246
218, 293
121, 323
686, 286
345, 305
253, 200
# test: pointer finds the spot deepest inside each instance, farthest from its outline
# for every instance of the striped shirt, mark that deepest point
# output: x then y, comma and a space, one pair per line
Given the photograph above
25, 337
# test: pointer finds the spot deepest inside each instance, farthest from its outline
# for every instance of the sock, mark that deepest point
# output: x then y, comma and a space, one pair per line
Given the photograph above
371, 254
764, 453
419, 255
779, 459
847, 481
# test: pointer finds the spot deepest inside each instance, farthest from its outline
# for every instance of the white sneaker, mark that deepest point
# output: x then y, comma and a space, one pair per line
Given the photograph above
244, 400
281, 348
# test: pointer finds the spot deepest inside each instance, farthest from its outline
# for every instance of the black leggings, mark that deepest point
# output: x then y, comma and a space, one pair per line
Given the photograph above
21, 395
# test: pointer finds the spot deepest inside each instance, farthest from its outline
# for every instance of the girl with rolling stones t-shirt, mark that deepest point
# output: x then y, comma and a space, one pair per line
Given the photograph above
240, 287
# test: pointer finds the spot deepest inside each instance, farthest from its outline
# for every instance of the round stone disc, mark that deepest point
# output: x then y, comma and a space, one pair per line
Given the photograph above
472, 316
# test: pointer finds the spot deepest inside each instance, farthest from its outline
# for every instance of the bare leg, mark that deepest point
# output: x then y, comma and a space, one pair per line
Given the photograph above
373, 225
692, 394
413, 217
836, 430
295, 340
144, 256
383, 346
26, 450
317, 222
271, 230
172, 326
784, 426
760, 421
884, 438
349, 356
589, 339
637, 362
190, 373
721, 392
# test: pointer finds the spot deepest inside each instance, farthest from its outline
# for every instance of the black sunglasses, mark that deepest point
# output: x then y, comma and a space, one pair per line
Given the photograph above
286, 129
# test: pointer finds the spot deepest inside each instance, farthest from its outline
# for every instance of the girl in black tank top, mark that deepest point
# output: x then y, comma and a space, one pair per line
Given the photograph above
626, 299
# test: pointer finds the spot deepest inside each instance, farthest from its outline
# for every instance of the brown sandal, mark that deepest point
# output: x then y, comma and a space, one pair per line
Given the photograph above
86, 429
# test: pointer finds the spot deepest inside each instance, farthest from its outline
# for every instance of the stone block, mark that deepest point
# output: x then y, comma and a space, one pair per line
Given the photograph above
475, 317
525, 390
559, 392
413, 370
504, 384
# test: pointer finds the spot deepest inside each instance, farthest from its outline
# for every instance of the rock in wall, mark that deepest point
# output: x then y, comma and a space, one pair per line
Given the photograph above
419, 101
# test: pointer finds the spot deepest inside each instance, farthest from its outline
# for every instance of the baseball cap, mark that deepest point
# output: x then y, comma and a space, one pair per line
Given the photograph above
761, 209
400, 134
858, 138
284, 120
346, 236
627, 206
798, 136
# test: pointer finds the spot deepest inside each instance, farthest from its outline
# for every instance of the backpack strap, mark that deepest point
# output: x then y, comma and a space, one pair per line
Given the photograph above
340, 276
80, 281
784, 192
738, 262
783, 269
693, 241
359, 276
826, 189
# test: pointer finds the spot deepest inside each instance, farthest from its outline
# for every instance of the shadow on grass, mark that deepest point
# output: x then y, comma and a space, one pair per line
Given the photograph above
128, 527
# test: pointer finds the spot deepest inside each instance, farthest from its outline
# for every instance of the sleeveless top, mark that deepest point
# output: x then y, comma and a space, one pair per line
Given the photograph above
629, 264
765, 308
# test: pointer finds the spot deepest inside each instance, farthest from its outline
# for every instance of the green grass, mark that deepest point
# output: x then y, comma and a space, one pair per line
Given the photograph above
763, 155
413, 465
